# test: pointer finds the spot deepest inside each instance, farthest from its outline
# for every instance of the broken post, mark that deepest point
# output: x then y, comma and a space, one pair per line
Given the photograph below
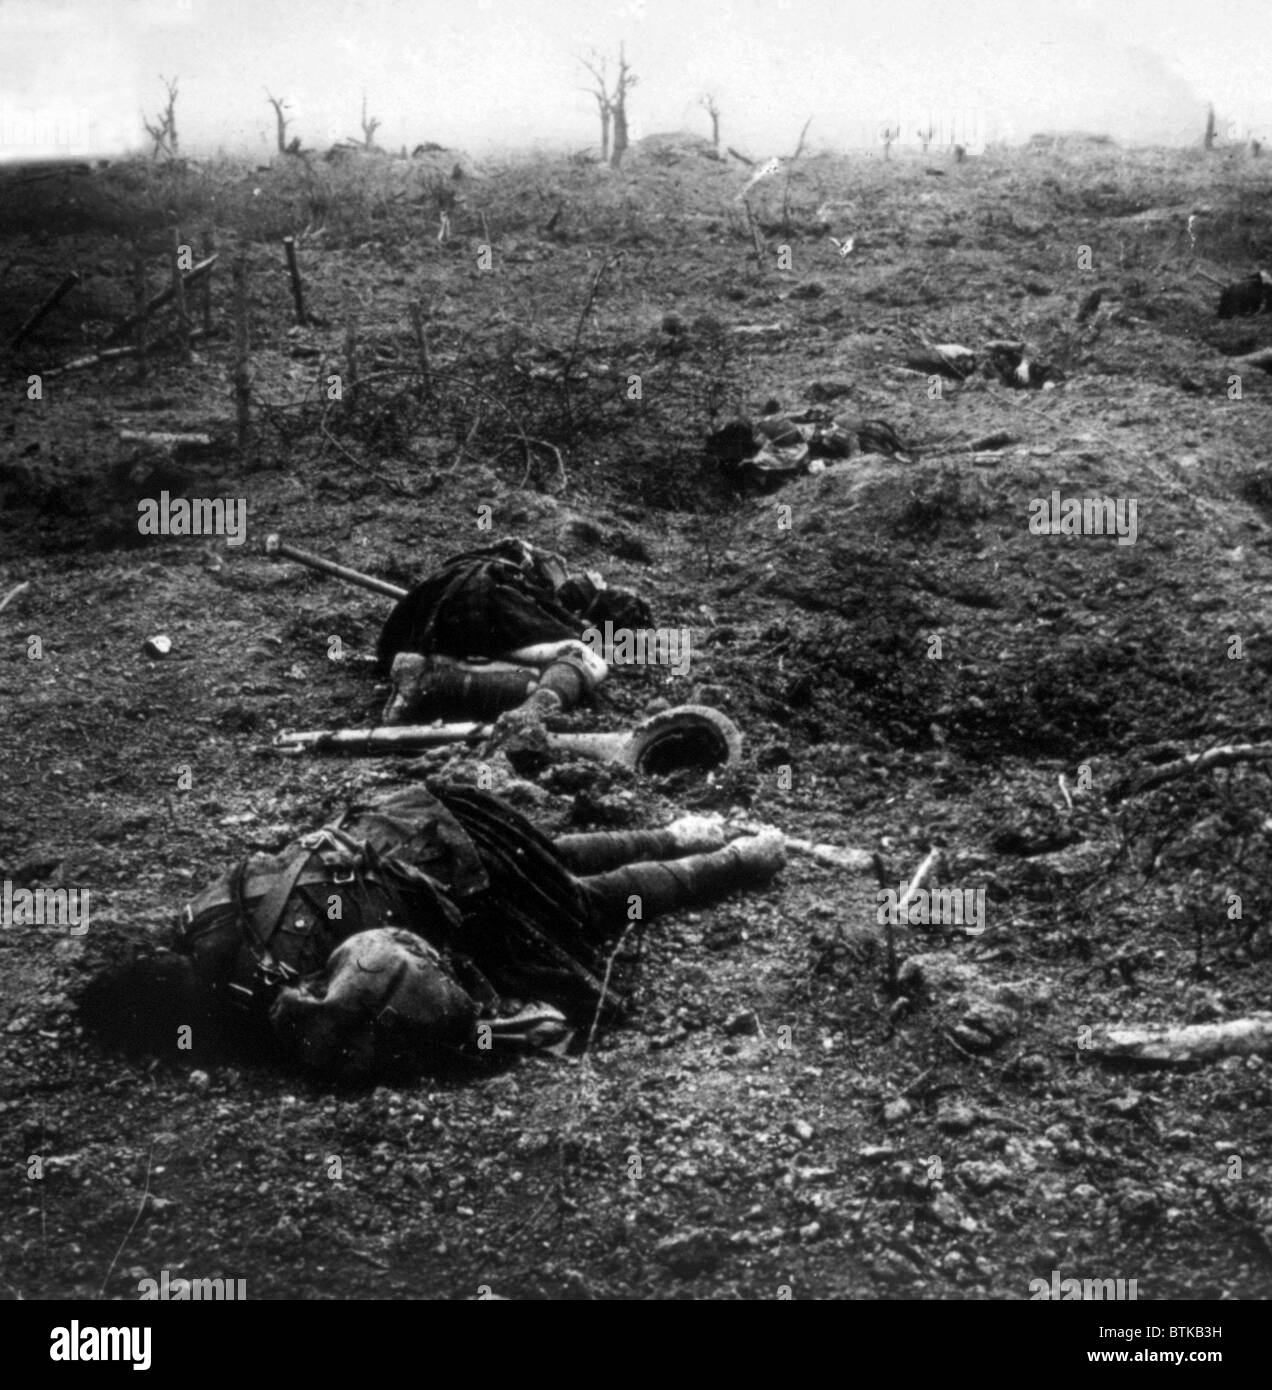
179, 297
139, 310
351, 361
755, 236
298, 290
242, 370
421, 345
68, 283
210, 243
190, 277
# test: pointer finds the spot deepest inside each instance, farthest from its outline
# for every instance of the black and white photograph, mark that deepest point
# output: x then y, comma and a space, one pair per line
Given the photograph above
634, 659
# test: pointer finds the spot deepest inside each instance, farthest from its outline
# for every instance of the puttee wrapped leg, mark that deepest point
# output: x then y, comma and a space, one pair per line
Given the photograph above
667, 885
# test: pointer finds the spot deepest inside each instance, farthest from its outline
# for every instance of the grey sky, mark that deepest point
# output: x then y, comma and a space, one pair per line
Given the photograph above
488, 74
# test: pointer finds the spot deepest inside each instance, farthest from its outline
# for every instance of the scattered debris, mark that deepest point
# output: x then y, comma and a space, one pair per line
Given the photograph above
686, 737
1193, 763
1163, 1045
13, 593
776, 448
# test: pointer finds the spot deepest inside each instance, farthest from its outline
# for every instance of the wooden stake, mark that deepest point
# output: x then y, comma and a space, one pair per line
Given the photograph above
209, 240
139, 311
179, 297
196, 273
298, 289
242, 367
421, 345
351, 361
68, 283
755, 236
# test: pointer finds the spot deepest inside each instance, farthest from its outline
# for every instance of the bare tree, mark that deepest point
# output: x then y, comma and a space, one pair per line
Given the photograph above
790, 169
626, 81
164, 131
281, 121
369, 127
597, 68
1208, 140
611, 103
708, 104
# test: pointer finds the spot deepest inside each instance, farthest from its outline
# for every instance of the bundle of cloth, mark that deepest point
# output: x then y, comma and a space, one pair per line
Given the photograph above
496, 628
441, 921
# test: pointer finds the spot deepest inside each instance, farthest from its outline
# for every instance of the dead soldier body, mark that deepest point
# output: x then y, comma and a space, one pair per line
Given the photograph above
441, 921
495, 627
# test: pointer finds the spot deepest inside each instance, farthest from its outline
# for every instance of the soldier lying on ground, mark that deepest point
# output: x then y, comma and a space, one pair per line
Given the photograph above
492, 625
442, 921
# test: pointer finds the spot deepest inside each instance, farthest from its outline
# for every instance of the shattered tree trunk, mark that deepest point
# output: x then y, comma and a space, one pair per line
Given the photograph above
297, 287
620, 132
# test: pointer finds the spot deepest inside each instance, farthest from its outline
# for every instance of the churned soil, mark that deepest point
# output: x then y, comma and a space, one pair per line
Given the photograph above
911, 666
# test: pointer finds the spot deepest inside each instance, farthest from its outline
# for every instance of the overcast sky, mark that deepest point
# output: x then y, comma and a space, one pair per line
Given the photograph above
485, 75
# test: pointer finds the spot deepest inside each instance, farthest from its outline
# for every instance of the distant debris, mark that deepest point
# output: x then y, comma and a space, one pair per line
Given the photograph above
1067, 140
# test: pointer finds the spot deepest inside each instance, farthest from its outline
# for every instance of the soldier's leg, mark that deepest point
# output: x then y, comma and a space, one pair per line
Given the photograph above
663, 886
608, 849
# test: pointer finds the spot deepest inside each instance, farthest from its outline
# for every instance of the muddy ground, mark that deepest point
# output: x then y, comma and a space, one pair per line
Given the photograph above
779, 1120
